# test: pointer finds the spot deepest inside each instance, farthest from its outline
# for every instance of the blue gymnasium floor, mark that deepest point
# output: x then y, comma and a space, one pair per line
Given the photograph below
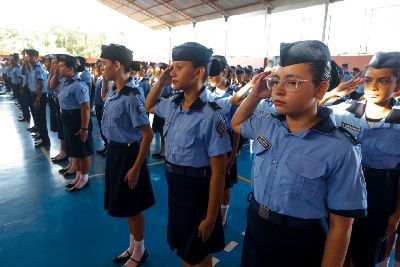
43, 225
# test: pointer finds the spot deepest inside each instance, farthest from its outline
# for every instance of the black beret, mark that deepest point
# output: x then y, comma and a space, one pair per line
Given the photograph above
14, 56
303, 52
31, 52
385, 60
247, 71
192, 51
222, 59
98, 63
345, 65
239, 71
135, 66
57, 56
116, 52
162, 66
81, 60
69, 61
215, 68
46, 57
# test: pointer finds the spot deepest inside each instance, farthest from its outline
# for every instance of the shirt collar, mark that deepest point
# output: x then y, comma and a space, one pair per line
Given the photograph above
128, 87
326, 124
196, 105
358, 109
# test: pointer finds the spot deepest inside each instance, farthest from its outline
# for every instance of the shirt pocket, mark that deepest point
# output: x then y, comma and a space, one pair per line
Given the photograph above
184, 145
259, 156
116, 117
304, 175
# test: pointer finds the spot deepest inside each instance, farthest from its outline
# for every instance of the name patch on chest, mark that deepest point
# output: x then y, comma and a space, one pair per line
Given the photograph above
350, 127
263, 142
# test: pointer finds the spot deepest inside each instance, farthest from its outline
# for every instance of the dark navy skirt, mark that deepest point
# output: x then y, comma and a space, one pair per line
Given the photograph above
73, 144
119, 199
188, 203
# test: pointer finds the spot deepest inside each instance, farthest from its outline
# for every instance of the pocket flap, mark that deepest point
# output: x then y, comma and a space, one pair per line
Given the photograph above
306, 167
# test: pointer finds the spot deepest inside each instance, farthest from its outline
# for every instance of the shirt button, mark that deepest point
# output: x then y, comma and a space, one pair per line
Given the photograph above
273, 162
301, 170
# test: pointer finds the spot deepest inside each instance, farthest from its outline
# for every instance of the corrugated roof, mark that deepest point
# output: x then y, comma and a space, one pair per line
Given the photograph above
161, 14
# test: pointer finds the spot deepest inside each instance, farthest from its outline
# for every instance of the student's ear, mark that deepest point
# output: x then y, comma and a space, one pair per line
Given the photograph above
200, 73
321, 90
117, 65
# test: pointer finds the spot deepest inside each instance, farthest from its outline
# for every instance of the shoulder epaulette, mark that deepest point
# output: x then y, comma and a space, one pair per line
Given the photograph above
214, 105
349, 135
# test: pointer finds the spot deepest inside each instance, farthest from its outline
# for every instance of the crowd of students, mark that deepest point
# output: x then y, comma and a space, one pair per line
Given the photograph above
326, 146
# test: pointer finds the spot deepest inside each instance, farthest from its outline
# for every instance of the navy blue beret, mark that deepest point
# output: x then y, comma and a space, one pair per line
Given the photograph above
162, 66
303, 52
69, 61
192, 51
31, 52
215, 68
46, 57
116, 52
385, 60
14, 56
56, 56
239, 72
81, 60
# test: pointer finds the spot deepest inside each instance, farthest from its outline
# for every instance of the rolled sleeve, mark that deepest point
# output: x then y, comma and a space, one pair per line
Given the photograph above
215, 135
346, 188
82, 93
137, 111
162, 107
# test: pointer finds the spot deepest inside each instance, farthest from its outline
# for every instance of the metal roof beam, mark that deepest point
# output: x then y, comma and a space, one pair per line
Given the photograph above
174, 9
216, 7
129, 4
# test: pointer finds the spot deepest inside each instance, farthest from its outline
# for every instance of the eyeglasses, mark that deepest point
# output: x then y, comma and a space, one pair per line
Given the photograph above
290, 84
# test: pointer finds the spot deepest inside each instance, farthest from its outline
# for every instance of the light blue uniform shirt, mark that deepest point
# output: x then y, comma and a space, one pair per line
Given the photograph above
228, 109
123, 113
306, 174
86, 78
73, 93
98, 101
16, 74
380, 141
194, 135
37, 73
265, 107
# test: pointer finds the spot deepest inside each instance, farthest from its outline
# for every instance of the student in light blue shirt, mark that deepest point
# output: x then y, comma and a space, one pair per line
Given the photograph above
305, 168
196, 143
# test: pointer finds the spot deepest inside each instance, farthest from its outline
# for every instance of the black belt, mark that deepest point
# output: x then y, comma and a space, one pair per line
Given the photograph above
188, 171
123, 144
71, 112
274, 217
375, 172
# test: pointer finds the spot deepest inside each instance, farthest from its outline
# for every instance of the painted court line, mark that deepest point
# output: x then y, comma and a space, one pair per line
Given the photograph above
244, 179
156, 163
231, 246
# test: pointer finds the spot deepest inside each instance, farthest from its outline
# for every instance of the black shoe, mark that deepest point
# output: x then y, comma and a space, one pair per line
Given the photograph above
99, 152
66, 174
32, 129
37, 139
104, 153
55, 160
35, 134
74, 189
142, 259
69, 186
42, 144
63, 170
122, 259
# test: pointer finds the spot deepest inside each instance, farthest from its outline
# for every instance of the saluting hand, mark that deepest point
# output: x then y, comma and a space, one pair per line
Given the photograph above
260, 88
205, 229
132, 178
83, 134
165, 77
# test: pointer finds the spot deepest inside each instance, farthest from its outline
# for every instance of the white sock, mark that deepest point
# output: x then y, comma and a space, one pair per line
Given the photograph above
224, 212
396, 264
82, 181
131, 244
139, 249
77, 178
